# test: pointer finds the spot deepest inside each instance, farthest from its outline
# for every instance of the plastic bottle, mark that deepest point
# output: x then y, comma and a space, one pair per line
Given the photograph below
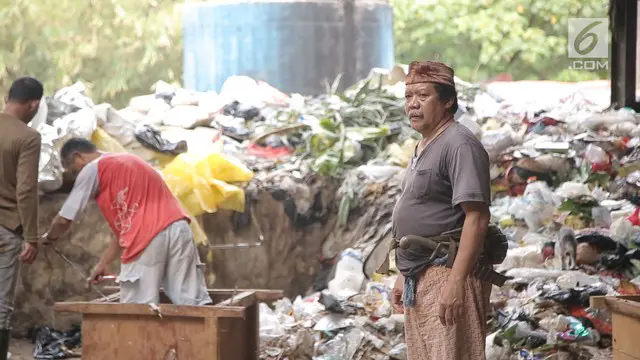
349, 276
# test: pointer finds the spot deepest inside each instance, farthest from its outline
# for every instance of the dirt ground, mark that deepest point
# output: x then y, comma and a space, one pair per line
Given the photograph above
21, 349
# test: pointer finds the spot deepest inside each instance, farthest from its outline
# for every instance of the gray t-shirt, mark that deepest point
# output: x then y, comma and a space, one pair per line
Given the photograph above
453, 169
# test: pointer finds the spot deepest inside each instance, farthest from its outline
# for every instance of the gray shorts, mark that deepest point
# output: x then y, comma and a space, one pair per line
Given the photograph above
170, 260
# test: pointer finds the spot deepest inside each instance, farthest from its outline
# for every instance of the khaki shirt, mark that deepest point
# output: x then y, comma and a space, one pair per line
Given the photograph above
19, 158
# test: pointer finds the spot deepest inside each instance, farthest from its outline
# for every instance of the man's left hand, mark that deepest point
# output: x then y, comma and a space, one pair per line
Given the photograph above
451, 302
29, 253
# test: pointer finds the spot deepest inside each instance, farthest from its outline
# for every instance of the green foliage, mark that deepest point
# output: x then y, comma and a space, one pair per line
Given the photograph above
118, 48
480, 39
121, 48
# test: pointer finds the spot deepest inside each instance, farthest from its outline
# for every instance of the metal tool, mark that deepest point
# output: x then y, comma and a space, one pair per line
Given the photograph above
75, 267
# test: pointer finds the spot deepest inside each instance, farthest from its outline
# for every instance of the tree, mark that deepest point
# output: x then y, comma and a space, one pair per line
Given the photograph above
480, 39
121, 48
118, 48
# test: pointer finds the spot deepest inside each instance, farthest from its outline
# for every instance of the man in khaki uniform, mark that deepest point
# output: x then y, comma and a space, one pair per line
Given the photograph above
19, 157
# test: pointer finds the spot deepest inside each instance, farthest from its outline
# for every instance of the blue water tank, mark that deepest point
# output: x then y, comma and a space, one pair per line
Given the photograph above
294, 45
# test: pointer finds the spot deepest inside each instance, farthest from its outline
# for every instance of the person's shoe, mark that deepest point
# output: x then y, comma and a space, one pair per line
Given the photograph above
5, 336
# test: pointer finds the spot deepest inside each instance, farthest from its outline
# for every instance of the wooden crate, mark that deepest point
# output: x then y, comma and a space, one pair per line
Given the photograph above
227, 330
625, 319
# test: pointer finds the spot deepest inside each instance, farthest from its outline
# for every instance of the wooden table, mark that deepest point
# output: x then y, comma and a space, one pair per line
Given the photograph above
227, 330
625, 319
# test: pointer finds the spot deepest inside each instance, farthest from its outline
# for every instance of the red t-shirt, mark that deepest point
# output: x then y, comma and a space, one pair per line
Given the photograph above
132, 196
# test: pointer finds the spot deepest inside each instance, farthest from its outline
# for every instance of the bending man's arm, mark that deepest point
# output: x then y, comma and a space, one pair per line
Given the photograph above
27, 187
84, 189
58, 227
112, 253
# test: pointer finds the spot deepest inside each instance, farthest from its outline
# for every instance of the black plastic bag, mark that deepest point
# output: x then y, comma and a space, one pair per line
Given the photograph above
151, 138
167, 96
598, 241
615, 260
575, 297
244, 111
54, 344
331, 304
620, 261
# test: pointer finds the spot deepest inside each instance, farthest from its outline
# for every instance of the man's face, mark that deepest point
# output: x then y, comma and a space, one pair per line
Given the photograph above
28, 110
423, 106
74, 163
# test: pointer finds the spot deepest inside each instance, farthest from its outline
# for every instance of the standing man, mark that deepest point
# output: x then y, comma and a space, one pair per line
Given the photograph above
446, 187
152, 231
19, 157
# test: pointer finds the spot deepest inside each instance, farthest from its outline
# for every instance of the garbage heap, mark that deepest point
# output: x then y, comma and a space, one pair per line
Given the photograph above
565, 182
332, 165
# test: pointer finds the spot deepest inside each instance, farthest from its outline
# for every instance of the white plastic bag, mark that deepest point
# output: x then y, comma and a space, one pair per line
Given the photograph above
532, 274
379, 172
575, 279
186, 116
536, 206
623, 231
594, 154
526, 256
495, 352
572, 189
270, 328
75, 95
49, 167
116, 124
81, 123
349, 275
41, 116
144, 103
242, 89
496, 141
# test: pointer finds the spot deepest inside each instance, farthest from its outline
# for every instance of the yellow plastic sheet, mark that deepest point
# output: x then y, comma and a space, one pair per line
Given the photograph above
105, 142
202, 181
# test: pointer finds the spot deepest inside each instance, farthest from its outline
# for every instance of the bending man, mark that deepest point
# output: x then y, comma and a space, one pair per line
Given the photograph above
154, 240
446, 187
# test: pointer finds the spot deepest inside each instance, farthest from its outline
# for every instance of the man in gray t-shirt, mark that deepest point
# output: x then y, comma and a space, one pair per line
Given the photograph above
446, 187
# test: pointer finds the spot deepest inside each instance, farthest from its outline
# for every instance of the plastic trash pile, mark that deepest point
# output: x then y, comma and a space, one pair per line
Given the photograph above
565, 177
54, 344
341, 322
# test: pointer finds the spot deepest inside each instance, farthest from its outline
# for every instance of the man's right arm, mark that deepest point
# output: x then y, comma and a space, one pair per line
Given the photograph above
84, 189
27, 187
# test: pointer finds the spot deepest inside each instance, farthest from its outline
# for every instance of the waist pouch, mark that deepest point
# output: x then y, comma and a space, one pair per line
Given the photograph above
446, 244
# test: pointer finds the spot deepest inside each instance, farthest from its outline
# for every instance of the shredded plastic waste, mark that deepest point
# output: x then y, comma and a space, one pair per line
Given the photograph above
55, 344
557, 162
